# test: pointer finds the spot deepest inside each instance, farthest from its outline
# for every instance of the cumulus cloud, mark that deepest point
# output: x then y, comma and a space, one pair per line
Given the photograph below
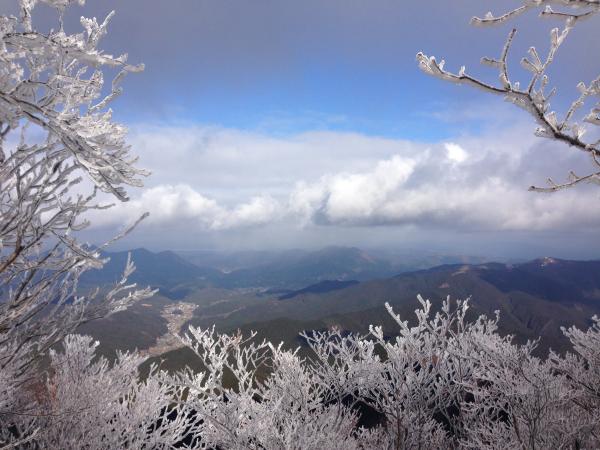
181, 204
455, 152
352, 197
395, 193
217, 179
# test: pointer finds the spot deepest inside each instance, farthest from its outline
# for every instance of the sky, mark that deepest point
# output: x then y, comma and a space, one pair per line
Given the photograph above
280, 124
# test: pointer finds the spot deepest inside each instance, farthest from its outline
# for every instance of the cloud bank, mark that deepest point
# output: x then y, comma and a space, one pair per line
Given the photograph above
213, 179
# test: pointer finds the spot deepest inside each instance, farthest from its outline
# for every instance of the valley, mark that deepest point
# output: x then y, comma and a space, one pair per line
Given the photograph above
345, 288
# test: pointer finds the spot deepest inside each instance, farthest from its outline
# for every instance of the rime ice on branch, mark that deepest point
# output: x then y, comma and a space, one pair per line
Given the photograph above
534, 97
441, 382
59, 147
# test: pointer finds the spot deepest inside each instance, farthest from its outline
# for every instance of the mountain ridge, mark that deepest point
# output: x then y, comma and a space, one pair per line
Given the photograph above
528, 307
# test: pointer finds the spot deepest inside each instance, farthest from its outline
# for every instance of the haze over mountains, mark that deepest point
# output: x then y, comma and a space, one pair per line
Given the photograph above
280, 294
173, 272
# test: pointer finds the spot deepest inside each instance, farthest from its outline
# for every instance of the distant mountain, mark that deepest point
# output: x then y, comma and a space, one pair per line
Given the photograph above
562, 280
173, 275
410, 260
534, 298
319, 288
227, 261
178, 274
528, 309
293, 269
301, 269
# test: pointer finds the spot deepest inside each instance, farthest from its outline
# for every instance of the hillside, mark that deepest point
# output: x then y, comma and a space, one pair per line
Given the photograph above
517, 292
301, 269
319, 288
534, 299
173, 275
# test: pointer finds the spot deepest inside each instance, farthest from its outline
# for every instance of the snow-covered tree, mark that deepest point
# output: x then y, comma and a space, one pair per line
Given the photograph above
517, 400
406, 379
86, 402
59, 148
260, 396
534, 95
580, 370
443, 383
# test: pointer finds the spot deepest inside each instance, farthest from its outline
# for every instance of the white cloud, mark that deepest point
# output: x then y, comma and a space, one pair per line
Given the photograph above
393, 194
455, 152
217, 179
258, 211
349, 197
181, 204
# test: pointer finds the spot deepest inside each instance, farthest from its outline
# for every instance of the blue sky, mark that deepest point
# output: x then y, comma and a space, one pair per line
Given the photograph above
336, 64
242, 64
286, 123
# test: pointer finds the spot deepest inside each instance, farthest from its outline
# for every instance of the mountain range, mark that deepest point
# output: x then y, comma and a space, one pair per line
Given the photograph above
347, 288
178, 274
174, 276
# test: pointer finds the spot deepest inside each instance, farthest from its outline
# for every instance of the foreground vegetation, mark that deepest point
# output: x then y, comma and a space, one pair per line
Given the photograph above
444, 383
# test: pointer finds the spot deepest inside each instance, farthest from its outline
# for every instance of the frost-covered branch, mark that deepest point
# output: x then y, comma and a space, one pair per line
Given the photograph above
87, 402
59, 148
534, 98
259, 396
441, 381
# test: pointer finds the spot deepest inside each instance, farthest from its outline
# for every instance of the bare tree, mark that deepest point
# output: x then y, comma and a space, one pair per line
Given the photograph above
534, 97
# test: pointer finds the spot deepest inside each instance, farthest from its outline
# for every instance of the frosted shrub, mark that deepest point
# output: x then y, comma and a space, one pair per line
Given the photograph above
443, 383
273, 400
88, 403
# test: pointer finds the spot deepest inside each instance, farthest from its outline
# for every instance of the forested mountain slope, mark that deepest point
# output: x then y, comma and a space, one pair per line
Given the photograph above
527, 308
